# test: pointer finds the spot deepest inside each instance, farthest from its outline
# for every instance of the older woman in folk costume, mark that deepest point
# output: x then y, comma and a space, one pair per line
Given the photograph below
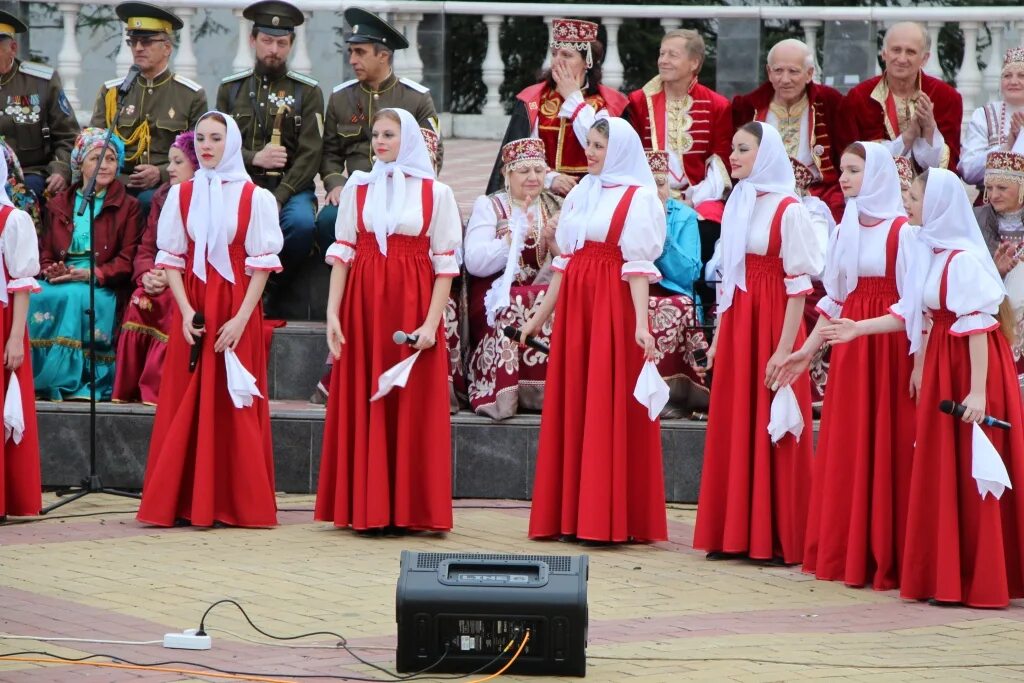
675, 311
997, 126
210, 457
543, 111
508, 248
757, 458
858, 506
20, 489
386, 459
599, 470
58, 323
1001, 219
963, 538
148, 319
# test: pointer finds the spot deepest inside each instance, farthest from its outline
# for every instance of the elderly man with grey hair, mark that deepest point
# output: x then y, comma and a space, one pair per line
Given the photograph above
809, 117
913, 114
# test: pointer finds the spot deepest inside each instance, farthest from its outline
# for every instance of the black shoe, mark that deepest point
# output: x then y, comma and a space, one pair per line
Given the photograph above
375, 532
589, 543
567, 538
181, 521
392, 530
944, 603
718, 555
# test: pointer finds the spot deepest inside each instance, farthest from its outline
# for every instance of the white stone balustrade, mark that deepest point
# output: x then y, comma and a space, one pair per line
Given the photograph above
975, 85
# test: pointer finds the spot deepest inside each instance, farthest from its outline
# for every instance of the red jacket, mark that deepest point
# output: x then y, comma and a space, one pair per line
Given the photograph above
868, 110
118, 230
711, 130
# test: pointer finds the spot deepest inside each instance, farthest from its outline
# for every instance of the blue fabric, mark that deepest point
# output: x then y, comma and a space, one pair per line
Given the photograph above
680, 261
58, 327
298, 224
325, 227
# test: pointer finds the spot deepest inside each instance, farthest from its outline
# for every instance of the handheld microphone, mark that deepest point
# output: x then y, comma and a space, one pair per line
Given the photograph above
128, 82
403, 338
957, 410
198, 322
515, 334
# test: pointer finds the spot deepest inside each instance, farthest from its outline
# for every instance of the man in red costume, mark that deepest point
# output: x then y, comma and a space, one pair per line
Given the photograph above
809, 116
693, 123
912, 114
540, 110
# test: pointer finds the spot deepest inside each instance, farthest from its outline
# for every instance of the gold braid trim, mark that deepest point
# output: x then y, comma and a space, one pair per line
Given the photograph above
139, 136
144, 329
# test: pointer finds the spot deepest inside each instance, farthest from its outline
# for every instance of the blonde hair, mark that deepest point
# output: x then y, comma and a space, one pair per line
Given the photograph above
388, 114
694, 42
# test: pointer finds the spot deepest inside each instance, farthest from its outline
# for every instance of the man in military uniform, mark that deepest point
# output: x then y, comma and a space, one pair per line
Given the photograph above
159, 106
353, 104
280, 114
36, 119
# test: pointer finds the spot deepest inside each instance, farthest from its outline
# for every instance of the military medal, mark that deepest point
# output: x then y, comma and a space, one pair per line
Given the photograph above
818, 150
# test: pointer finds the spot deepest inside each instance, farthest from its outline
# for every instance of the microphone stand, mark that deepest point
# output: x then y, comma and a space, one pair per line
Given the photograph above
92, 482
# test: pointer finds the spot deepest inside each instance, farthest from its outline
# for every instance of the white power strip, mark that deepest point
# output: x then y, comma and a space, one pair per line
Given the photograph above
187, 640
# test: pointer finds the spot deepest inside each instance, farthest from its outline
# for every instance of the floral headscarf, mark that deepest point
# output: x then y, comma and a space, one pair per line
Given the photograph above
186, 143
20, 195
88, 140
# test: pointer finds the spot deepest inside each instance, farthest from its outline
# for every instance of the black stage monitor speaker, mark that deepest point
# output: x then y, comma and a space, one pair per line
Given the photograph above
474, 605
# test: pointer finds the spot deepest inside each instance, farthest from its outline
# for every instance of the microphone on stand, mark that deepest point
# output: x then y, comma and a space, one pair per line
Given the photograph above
515, 334
198, 322
957, 410
128, 82
403, 338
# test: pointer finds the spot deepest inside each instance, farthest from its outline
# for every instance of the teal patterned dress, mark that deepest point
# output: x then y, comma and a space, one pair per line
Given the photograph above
59, 327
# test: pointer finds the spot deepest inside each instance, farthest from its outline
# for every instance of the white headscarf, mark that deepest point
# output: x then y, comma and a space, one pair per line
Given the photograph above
772, 172
413, 160
880, 197
624, 164
948, 223
206, 214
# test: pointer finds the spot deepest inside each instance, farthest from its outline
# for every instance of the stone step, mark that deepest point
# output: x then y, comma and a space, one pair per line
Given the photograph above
298, 353
489, 459
301, 296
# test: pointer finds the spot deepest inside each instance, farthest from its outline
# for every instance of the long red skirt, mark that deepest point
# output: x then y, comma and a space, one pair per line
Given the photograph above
599, 471
959, 547
387, 462
20, 487
142, 346
858, 509
209, 461
753, 495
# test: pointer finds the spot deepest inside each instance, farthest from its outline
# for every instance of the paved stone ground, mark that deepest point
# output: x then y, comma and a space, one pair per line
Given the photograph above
657, 613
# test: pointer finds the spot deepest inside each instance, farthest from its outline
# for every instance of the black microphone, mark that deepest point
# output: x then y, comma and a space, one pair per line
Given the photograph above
403, 338
957, 410
515, 334
198, 322
128, 82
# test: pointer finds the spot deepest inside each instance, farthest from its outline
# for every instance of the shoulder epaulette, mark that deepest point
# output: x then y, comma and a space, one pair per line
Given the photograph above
113, 83
303, 78
38, 70
188, 83
238, 76
342, 86
418, 87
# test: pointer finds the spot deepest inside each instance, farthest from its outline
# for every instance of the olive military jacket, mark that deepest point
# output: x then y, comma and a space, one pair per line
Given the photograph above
254, 101
347, 127
170, 103
36, 119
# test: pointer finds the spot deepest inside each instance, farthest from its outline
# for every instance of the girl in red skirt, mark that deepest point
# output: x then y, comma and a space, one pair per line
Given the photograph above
599, 472
965, 523
753, 493
210, 455
386, 460
858, 507
20, 489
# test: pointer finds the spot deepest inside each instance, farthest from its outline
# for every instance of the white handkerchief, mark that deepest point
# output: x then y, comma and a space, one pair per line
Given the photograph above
395, 376
651, 390
786, 417
987, 467
14, 414
241, 383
